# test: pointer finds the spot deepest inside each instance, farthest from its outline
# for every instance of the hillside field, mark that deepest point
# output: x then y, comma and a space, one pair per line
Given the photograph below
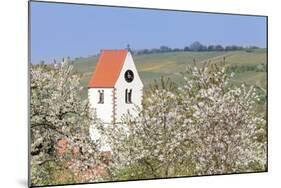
153, 66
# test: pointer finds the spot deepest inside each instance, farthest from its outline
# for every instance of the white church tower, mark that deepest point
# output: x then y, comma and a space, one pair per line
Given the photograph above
115, 86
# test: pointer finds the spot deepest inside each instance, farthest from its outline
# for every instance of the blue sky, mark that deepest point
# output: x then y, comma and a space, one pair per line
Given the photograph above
60, 30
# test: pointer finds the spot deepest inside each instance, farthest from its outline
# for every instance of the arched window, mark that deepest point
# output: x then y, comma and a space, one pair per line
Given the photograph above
101, 96
128, 96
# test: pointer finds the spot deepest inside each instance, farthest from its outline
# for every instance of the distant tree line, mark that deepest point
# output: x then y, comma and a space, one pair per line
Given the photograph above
194, 47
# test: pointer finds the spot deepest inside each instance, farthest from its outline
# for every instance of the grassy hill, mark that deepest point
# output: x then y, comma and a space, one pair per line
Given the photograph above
153, 66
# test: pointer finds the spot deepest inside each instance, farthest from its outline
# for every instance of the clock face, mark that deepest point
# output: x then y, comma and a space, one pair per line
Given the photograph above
129, 76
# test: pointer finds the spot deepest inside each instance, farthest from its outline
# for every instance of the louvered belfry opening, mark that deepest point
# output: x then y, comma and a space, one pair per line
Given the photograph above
128, 96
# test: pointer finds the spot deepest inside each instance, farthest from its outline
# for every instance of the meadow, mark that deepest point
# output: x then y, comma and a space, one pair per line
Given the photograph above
248, 66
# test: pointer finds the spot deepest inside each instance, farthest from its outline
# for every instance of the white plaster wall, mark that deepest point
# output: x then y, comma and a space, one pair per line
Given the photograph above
104, 111
121, 85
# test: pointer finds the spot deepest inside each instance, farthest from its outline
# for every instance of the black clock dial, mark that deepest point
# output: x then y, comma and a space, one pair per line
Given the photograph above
129, 76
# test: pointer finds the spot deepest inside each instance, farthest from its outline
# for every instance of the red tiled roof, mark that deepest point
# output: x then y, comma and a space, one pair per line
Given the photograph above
108, 68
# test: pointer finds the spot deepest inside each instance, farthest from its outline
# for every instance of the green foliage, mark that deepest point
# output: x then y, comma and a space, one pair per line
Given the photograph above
256, 166
246, 68
51, 173
132, 172
262, 98
138, 170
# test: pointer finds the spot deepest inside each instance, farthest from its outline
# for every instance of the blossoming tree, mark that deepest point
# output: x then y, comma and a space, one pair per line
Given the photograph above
59, 123
208, 126
225, 123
